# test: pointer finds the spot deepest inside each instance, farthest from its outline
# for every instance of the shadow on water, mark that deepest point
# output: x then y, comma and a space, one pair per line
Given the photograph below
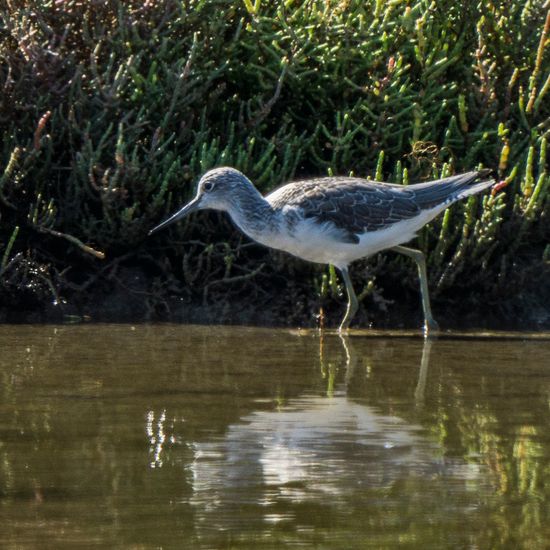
232, 437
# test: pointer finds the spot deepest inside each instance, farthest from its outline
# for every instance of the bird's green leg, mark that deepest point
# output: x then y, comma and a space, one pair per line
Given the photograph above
353, 304
430, 324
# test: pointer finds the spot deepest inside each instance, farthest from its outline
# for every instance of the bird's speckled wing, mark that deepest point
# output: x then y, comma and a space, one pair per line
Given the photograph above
355, 205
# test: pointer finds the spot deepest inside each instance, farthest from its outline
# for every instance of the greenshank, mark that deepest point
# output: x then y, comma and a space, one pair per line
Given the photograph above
335, 220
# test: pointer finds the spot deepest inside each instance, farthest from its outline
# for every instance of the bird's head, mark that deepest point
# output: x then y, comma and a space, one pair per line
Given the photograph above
218, 189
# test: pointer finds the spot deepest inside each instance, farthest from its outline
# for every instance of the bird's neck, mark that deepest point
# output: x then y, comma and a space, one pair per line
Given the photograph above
252, 214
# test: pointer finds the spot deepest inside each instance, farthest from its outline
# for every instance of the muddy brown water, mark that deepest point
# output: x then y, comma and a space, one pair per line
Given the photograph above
170, 436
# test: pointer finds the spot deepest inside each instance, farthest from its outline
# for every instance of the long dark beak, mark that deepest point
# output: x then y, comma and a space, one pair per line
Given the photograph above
187, 209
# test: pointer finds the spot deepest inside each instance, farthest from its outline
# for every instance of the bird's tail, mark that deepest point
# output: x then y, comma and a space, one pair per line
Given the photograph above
445, 191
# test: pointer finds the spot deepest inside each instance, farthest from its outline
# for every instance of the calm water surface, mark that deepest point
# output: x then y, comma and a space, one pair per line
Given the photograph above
209, 437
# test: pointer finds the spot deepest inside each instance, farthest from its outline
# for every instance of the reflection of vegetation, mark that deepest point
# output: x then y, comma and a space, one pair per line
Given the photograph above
88, 411
110, 110
488, 411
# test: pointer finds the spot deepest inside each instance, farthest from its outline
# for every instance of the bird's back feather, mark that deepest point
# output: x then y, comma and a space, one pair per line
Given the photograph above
356, 206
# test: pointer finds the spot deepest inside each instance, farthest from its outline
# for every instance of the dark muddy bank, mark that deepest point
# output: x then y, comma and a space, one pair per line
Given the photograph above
282, 296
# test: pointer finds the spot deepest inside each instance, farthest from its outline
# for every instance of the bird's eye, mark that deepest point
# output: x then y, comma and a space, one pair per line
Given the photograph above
208, 186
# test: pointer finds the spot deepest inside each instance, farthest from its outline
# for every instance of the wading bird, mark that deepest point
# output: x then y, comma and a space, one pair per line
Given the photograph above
335, 220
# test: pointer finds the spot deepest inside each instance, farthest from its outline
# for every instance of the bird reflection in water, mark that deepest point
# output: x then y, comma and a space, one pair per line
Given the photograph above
329, 368
315, 446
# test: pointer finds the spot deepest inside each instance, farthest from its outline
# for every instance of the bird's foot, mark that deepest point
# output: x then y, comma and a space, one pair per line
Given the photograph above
431, 328
343, 328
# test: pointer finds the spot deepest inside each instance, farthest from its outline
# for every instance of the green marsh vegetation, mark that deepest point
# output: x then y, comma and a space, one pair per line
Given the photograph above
111, 110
